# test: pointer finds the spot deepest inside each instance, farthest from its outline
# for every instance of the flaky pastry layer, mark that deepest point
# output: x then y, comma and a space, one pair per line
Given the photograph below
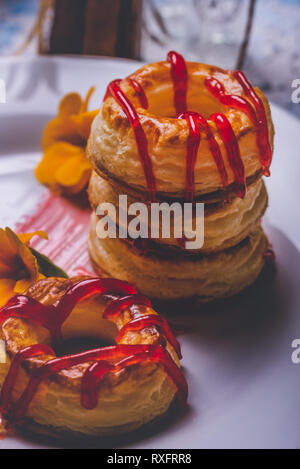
225, 225
163, 275
112, 147
127, 399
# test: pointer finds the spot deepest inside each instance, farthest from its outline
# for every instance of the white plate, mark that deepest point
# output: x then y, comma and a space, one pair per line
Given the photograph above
244, 388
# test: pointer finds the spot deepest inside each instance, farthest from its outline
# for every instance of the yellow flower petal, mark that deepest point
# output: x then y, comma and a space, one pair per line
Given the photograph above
71, 103
54, 157
25, 264
75, 173
85, 103
19, 264
64, 165
61, 129
8, 253
65, 137
22, 285
83, 123
6, 290
64, 126
26, 237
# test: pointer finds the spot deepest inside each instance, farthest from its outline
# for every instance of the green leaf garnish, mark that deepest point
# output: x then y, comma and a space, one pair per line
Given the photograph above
47, 267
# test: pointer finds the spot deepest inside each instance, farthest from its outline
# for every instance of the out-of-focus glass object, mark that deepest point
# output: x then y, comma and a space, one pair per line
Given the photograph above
211, 31
273, 58
222, 24
166, 25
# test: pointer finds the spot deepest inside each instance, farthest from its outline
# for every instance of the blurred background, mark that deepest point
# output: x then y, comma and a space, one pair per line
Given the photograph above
262, 37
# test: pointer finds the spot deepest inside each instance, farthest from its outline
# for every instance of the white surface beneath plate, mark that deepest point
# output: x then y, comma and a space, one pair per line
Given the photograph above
244, 388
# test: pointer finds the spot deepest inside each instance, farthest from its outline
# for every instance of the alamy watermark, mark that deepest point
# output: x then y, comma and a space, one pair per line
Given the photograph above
155, 220
2, 352
2, 91
296, 351
295, 96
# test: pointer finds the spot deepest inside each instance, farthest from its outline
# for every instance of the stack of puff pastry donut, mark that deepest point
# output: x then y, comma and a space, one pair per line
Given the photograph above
142, 144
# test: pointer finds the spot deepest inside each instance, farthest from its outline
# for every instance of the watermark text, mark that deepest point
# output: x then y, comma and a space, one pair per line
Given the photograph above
2, 352
296, 352
155, 220
295, 96
2, 91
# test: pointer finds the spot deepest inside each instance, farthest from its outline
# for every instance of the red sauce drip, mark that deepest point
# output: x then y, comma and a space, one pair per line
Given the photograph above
107, 92
87, 288
140, 92
136, 86
262, 129
232, 150
10, 380
269, 254
141, 139
141, 322
180, 79
195, 122
52, 317
23, 307
193, 143
117, 306
237, 102
134, 354
155, 354
215, 150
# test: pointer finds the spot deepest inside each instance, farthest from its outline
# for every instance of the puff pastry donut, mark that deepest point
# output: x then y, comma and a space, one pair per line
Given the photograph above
163, 274
112, 147
225, 225
103, 391
184, 132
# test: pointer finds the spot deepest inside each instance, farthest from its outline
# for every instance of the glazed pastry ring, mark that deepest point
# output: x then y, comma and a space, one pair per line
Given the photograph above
225, 225
126, 397
112, 147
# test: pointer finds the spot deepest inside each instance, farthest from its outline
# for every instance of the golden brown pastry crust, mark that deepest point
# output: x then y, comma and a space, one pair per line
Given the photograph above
112, 147
225, 225
127, 399
162, 274
232, 255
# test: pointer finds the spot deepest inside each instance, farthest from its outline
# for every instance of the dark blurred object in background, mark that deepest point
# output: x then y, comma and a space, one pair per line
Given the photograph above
91, 27
211, 31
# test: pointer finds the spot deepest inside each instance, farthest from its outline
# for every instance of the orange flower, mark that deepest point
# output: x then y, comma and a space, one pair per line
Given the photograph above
20, 265
64, 167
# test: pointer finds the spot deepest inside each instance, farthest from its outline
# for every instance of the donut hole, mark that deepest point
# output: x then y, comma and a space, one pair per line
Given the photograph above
85, 328
76, 345
161, 101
